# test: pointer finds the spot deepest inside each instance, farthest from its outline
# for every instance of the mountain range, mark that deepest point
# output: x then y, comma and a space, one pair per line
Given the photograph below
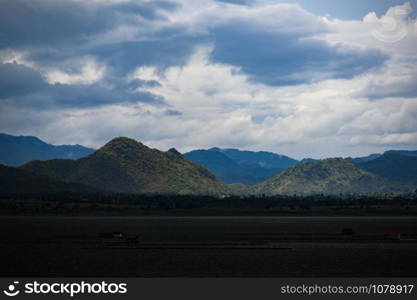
124, 165
236, 166
17, 150
127, 166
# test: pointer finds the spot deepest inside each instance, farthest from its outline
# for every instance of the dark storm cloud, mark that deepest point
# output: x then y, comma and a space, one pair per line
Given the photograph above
84, 96
55, 34
274, 57
18, 80
161, 53
27, 23
167, 46
97, 94
286, 59
26, 87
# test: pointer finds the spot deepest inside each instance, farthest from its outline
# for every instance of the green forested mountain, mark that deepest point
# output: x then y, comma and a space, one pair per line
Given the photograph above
17, 150
125, 165
329, 176
394, 167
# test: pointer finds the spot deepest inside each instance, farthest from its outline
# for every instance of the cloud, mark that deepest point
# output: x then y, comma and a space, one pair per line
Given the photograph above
262, 76
89, 73
126, 56
94, 95
28, 23
286, 59
238, 2
19, 80
172, 112
275, 44
399, 80
386, 117
24, 86
394, 32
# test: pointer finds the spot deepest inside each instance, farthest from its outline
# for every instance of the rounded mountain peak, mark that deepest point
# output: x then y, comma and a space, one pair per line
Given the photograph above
174, 151
122, 140
122, 145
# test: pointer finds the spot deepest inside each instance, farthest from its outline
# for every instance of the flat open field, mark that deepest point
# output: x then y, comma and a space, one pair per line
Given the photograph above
208, 246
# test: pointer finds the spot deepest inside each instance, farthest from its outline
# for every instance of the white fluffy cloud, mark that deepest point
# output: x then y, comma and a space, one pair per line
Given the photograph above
89, 72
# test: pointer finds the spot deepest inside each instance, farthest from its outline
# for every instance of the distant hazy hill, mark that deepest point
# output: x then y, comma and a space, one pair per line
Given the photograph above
236, 166
222, 166
394, 167
376, 155
364, 158
17, 150
125, 165
329, 176
261, 158
308, 159
402, 152
18, 181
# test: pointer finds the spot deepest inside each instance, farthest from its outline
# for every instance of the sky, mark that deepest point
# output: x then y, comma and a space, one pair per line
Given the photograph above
307, 78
